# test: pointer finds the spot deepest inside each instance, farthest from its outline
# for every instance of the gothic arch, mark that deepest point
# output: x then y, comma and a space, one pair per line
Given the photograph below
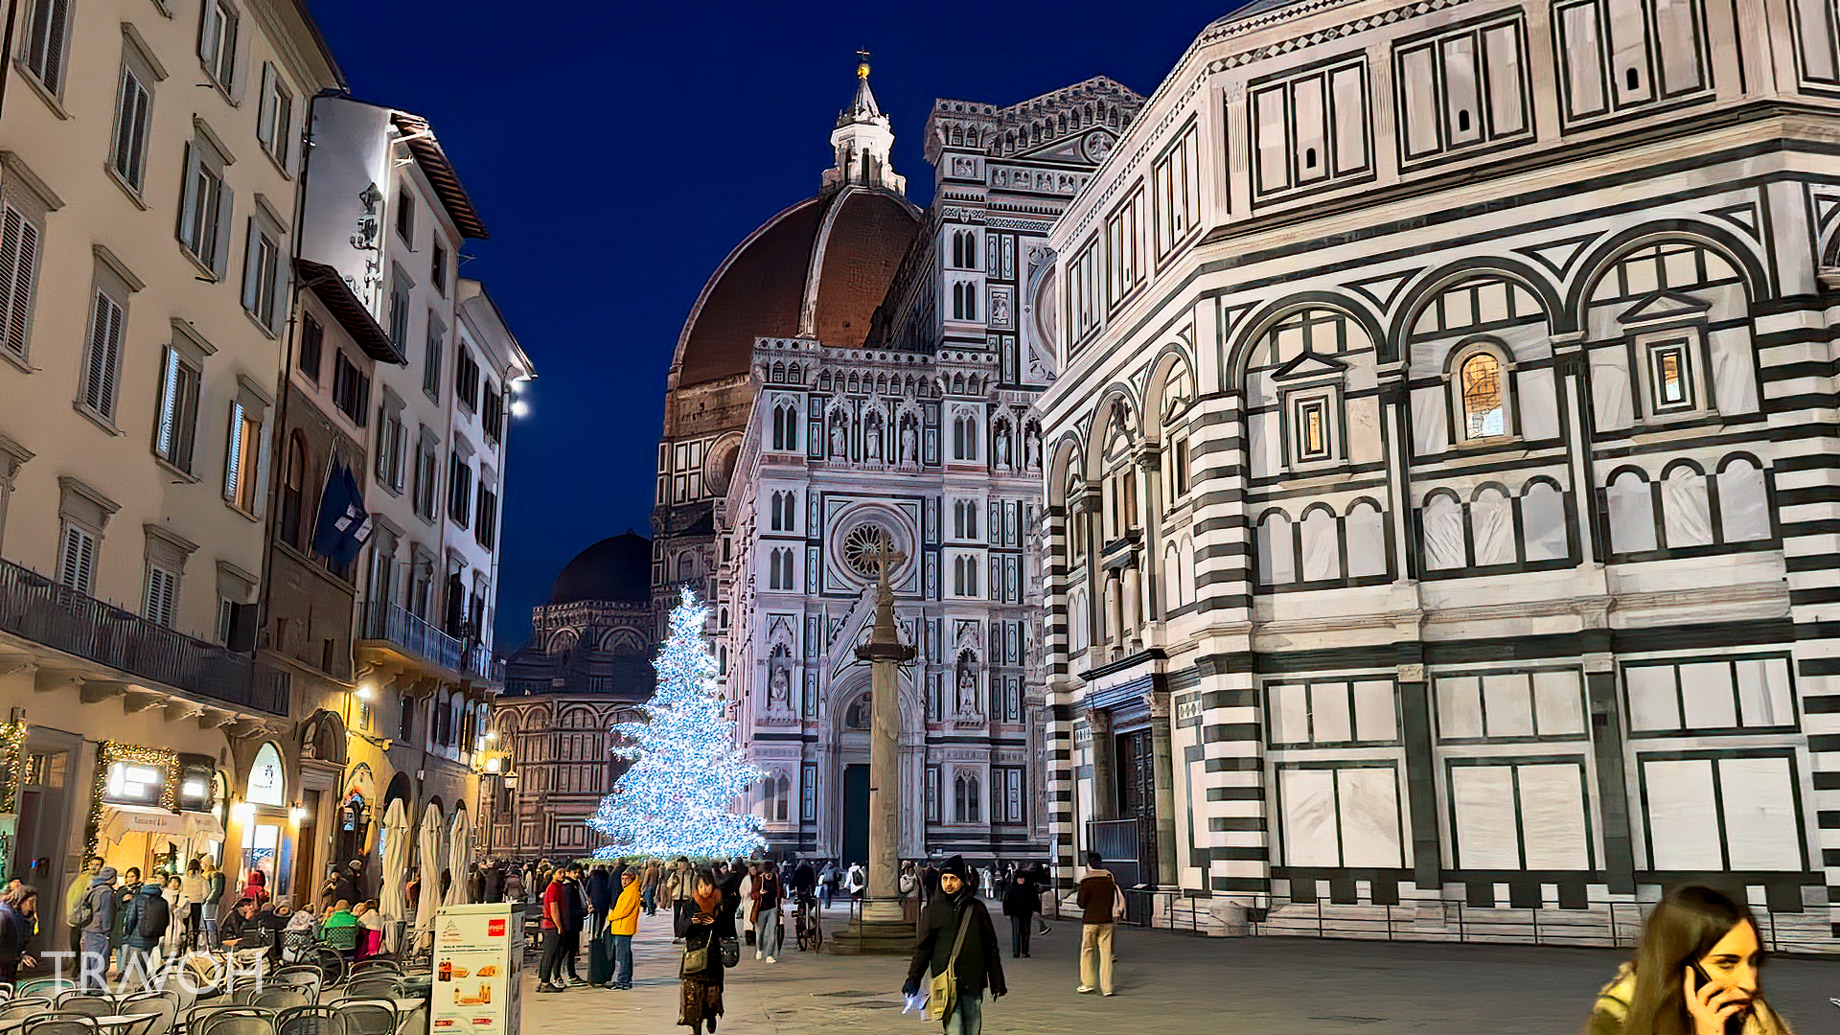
1252, 330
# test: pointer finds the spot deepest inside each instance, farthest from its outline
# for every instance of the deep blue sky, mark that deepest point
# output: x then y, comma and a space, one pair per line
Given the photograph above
617, 151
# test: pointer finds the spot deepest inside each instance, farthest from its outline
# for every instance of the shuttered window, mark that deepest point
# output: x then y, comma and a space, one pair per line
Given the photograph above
47, 32
217, 42
162, 595
18, 267
176, 426
77, 560
133, 105
102, 363
242, 460
205, 209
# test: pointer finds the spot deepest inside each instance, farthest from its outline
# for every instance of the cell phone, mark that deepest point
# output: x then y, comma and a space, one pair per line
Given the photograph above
1699, 972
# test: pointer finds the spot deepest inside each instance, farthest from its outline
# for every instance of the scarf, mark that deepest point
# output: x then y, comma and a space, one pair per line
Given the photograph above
707, 901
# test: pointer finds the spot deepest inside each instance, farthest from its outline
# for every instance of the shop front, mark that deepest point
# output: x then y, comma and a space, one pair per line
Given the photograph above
265, 818
153, 810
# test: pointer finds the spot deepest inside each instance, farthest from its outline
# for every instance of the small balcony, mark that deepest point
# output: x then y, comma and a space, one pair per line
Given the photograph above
399, 631
45, 612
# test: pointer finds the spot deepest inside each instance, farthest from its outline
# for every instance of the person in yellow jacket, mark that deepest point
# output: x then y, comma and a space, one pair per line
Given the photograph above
622, 924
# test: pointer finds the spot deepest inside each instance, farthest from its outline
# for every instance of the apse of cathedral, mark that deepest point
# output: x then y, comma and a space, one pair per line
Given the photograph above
859, 371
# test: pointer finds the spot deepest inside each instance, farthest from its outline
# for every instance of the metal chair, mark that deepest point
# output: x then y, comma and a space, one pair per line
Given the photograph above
369, 1016
310, 1020
281, 997
375, 965
164, 1005
45, 986
94, 1004
308, 979
236, 1020
374, 986
61, 1024
14, 1013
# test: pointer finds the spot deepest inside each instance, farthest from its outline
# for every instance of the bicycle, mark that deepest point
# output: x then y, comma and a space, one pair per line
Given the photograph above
808, 924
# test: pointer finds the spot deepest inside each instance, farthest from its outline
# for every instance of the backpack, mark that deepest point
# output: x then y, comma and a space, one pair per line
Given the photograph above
84, 911
155, 916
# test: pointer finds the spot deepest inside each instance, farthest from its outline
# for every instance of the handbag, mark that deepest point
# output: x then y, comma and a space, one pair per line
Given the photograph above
942, 994
731, 952
696, 960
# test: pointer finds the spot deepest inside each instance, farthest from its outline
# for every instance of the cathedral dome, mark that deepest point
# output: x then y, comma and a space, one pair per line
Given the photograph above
818, 269
618, 568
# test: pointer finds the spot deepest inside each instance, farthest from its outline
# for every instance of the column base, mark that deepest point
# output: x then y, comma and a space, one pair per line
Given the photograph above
874, 938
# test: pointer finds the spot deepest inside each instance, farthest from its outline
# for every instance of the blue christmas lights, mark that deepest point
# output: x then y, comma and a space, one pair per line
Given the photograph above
687, 772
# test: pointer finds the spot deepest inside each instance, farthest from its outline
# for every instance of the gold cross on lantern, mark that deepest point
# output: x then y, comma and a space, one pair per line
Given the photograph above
885, 558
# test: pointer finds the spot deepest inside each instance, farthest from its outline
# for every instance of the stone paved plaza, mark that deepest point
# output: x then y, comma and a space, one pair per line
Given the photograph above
1166, 983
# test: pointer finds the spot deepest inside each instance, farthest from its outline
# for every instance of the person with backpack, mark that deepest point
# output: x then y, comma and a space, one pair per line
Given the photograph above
957, 935
74, 893
143, 927
94, 915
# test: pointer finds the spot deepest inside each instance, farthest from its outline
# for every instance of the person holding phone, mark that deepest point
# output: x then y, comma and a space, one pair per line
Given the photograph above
1696, 972
710, 921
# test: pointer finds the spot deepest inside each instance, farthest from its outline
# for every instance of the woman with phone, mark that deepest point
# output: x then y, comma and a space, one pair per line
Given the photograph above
704, 928
1697, 972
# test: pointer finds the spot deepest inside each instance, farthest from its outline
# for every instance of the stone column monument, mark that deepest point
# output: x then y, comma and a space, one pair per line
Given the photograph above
882, 928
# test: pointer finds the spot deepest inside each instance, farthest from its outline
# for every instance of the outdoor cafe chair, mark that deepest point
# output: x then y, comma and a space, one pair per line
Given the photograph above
58, 1023
95, 1004
369, 1016
236, 1020
310, 1020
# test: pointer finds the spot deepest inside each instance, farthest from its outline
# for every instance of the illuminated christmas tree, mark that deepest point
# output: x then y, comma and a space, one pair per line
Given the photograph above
687, 771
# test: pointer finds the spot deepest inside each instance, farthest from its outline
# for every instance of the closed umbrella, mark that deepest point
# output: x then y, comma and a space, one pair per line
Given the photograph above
459, 847
430, 841
392, 902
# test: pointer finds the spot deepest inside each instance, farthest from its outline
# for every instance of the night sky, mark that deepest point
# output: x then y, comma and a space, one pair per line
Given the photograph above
618, 151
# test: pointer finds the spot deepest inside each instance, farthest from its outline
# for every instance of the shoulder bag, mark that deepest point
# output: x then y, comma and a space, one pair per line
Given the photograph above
942, 994
696, 961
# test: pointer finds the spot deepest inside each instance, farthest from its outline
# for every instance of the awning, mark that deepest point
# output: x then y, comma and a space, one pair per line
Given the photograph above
148, 819
140, 819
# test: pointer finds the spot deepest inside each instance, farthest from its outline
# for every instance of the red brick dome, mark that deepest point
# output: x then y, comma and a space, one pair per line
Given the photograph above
819, 268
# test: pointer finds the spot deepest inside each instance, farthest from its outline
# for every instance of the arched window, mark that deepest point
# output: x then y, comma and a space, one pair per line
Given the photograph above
782, 793
959, 809
971, 302
1172, 578
1079, 619
785, 427
1484, 396
686, 565
974, 799
1277, 553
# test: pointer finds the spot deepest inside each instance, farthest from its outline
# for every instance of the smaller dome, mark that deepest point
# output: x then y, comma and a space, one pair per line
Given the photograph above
618, 568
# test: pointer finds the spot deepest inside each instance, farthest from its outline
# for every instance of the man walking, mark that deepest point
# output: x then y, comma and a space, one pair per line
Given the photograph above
74, 893
767, 898
975, 959
1097, 899
677, 889
95, 916
576, 917
555, 910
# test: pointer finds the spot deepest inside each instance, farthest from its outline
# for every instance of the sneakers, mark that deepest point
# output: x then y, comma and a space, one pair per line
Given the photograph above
758, 954
771, 960
547, 988
1108, 995
1084, 989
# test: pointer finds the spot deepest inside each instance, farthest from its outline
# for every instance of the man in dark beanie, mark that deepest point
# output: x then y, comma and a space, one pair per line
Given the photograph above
979, 960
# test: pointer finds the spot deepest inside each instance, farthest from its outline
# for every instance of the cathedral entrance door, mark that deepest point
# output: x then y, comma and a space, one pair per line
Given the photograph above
856, 813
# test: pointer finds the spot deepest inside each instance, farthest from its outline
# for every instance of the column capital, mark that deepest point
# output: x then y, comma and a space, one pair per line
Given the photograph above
1158, 703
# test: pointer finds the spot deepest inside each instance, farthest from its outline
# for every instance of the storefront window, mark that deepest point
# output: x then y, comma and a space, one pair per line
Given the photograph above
267, 779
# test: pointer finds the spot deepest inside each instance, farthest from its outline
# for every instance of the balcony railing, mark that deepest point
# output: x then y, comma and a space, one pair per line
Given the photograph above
38, 609
398, 625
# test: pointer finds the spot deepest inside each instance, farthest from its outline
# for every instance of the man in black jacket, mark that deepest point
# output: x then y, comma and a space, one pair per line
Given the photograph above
980, 960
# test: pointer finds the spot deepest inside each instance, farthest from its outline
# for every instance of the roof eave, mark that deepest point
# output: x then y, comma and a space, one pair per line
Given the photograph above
349, 311
428, 154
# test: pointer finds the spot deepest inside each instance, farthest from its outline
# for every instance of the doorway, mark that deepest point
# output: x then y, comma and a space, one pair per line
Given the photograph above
1136, 768
856, 813
39, 848
307, 875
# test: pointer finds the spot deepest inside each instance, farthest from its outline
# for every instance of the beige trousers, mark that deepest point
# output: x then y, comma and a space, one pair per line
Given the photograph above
1096, 955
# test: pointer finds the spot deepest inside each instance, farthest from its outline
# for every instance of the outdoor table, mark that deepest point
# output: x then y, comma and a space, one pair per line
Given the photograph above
124, 1022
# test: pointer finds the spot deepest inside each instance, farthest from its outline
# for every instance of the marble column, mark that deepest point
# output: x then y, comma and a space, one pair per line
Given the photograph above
1163, 757
886, 653
1105, 784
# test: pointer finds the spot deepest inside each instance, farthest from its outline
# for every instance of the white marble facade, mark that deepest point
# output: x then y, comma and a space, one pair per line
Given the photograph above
1439, 464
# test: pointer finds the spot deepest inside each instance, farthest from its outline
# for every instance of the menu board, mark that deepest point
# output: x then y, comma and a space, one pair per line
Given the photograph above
477, 949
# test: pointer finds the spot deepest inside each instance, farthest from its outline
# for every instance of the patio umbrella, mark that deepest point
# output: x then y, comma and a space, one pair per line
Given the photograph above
459, 848
430, 841
392, 902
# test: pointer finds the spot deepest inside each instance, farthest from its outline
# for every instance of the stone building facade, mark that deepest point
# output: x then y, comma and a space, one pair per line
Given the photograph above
1439, 497
894, 411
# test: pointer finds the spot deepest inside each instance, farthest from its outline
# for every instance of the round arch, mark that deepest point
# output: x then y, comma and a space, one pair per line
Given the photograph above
1233, 363
1429, 285
1170, 364
1116, 407
1593, 267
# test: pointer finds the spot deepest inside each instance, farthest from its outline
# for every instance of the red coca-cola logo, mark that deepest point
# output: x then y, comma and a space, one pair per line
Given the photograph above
495, 928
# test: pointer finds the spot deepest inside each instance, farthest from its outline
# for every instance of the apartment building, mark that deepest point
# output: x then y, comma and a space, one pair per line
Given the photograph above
149, 164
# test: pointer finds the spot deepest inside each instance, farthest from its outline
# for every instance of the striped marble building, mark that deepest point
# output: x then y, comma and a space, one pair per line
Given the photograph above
1443, 475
